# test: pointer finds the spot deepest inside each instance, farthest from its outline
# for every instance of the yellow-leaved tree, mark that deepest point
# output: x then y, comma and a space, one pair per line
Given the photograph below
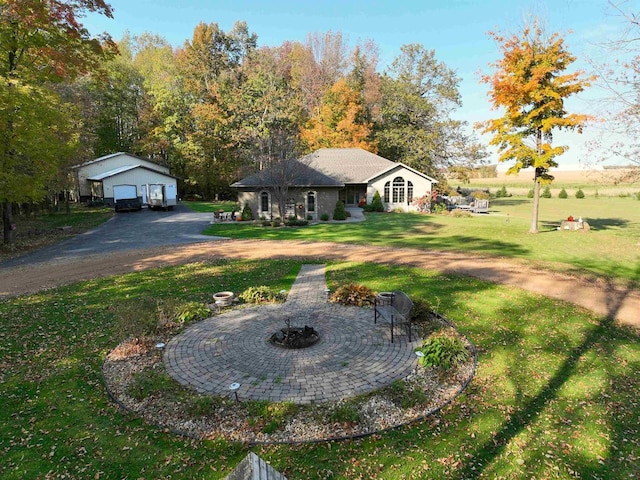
530, 85
341, 122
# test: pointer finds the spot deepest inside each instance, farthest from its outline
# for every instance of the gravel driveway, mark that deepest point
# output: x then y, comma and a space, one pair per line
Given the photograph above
126, 231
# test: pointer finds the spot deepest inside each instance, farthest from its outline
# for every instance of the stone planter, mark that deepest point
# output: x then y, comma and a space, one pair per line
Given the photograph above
224, 299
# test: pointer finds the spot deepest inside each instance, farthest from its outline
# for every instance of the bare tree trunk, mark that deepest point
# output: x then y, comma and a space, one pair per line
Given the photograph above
536, 186
7, 222
536, 203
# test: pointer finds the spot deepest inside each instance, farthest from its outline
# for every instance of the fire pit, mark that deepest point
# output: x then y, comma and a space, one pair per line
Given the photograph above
295, 337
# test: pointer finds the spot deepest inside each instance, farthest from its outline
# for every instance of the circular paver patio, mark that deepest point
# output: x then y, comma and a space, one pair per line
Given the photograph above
353, 356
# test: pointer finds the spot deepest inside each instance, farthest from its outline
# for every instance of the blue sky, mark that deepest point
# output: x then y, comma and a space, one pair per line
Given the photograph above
455, 29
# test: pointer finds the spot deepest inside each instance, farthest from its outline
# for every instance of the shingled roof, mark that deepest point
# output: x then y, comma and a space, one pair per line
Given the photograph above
349, 165
298, 173
327, 167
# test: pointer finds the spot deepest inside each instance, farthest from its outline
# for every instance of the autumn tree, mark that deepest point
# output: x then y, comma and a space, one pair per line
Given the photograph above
419, 94
40, 42
341, 122
267, 110
209, 69
530, 85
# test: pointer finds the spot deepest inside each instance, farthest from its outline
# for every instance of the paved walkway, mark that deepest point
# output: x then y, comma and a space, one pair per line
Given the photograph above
353, 356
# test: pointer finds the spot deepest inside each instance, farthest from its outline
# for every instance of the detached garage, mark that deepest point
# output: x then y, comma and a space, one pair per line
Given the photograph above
103, 183
96, 179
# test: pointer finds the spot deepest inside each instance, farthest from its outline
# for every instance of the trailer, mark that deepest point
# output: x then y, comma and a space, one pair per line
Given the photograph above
125, 198
161, 195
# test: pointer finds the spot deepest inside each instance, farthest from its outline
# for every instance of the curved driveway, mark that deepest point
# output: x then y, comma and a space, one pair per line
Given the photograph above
139, 240
126, 231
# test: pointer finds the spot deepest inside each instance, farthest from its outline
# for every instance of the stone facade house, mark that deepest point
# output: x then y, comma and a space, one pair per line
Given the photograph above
310, 186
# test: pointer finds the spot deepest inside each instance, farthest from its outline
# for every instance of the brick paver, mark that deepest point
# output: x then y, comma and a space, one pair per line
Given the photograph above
353, 356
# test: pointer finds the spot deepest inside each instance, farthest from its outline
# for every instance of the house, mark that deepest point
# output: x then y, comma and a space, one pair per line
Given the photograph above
96, 178
314, 183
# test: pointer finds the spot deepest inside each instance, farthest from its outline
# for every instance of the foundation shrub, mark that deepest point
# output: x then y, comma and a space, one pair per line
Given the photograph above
339, 213
376, 203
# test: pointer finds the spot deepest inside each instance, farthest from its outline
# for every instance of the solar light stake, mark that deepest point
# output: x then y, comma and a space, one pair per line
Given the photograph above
234, 388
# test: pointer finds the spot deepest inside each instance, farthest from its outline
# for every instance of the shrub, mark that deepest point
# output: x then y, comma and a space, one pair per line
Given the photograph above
424, 318
458, 213
439, 208
530, 193
309, 217
376, 203
296, 223
502, 192
580, 193
339, 213
353, 294
260, 294
637, 195
324, 217
443, 352
480, 195
546, 193
191, 311
247, 214
563, 193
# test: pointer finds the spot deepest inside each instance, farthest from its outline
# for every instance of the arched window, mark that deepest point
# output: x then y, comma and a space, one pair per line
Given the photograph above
386, 192
311, 202
398, 190
264, 202
409, 192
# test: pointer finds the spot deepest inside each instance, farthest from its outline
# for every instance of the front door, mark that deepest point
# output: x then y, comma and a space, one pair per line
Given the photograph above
353, 195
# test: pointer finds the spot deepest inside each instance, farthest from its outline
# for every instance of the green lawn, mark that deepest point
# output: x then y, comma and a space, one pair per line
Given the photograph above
610, 249
555, 395
207, 207
37, 231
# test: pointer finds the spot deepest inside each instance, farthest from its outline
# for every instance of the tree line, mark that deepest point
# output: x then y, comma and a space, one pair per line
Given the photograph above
220, 106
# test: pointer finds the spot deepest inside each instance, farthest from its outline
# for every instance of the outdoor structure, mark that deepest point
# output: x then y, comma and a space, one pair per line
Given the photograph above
95, 179
313, 184
252, 467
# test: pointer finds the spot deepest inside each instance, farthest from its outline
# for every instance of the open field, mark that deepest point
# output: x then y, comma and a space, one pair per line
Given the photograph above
602, 182
611, 249
555, 394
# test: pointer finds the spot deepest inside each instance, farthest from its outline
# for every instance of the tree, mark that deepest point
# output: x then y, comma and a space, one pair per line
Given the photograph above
267, 110
530, 85
618, 137
118, 94
210, 67
341, 122
40, 42
414, 126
